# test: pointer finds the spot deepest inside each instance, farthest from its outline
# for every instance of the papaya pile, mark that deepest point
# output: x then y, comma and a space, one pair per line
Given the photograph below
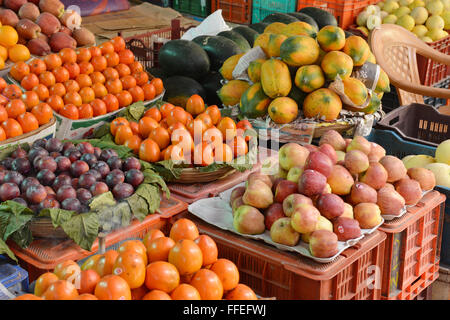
294, 79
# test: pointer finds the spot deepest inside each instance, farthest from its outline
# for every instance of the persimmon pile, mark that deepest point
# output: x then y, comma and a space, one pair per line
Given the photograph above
181, 266
20, 112
87, 82
196, 135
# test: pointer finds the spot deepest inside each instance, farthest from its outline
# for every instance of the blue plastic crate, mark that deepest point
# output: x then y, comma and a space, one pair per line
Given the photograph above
396, 146
13, 278
262, 8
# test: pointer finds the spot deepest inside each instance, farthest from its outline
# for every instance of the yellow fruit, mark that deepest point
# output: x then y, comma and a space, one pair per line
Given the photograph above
426, 39
8, 36
355, 90
420, 15
275, 27
2, 63
3, 53
336, 63
435, 7
420, 30
417, 161
441, 173
390, 6
283, 110
406, 22
436, 34
357, 48
323, 104
417, 3
446, 16
435, 22
371, 58
390, 19
443, 152
18, 52
400, 12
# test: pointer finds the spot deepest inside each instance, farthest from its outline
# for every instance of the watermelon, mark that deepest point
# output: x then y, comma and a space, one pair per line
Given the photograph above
218, 49
179, 89
248, 33
323, 18
237, 38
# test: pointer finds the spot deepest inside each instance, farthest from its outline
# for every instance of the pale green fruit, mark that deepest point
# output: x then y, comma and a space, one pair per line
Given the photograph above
380, 4
443, 152
435, 23
383, 14
406, 22
436, 34
417, 3
373, 21
426, 39
372, 9
420, 15
390, 6
405, 2
446, 16
390, 19
400, 12
435, 7
361, 19
420, 30
446, 4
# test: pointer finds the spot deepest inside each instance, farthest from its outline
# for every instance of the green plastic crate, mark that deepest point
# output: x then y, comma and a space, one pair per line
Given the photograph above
262, 8
200, 8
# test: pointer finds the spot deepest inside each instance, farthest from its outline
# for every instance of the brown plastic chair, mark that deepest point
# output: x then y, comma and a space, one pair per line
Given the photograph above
395, 50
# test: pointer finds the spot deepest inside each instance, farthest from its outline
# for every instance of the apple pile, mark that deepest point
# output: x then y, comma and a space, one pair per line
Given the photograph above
327, 193
53, 174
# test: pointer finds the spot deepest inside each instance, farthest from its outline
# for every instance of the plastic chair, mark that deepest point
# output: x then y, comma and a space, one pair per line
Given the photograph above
395, 50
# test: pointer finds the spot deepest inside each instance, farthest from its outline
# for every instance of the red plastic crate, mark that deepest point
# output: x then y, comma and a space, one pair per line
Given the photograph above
42, 255
413, 245
345, 11
274, 273
431, 72
237, 11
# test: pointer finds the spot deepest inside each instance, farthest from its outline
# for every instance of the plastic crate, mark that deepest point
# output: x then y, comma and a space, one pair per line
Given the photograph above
12, 277
431, 72
413, 245
445, 248
418, 123
146, 46
200, 8
284, 275
237, 11
345, 11
437, 102
43, 255
262, 8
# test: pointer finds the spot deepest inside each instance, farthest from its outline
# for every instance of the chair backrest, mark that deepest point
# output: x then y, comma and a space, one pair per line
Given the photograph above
395, 50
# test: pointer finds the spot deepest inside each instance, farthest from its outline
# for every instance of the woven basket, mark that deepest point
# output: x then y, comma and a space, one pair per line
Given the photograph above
192, 175
42, 227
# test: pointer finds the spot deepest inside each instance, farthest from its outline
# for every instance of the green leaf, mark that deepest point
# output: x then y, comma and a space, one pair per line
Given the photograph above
101, 131
151, 195
6, 151
5, 249
139, 206
122, 151
22, 237
14, 207
167, 169
135, 111
10, 222
112, 218
83, 229
103, 200
151, 177
58, 216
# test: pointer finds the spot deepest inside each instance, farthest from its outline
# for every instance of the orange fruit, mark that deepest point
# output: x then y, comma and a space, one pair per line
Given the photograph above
176, 126
3, 113
29, 81
156, 295
73, 98
2, 134
111, 74
141, 77
196, 128
73, 68
8, 36
214, 112
149, 151
184, 229
37, 66
58, 89
209, 249
123, 133
106, 47
87, 95
161, 136
227, 272
134, 246
42, 91
43, 282
18, 52
195, 105
152, 235
19, 70
112, 59
137, 93
149, 91
165, 109
138, 293
55, 102
134, 142
130, 266
116, 123
134, 127
238, 146
61, 74
3, 84
72, 86
65, 269
186, 256
206, 119
30, 98
114, 86
99, 63
15, 108
118, 43
128, 82
97, 77
105, 263
213, 136
86, 67
223, 154
241, 292
70, 111
125, 98
95, 51
153, 113
43, 113
52, 61
161, 275
228, 128
126, 56
84, 80
47, 78
12, 128
158, 249
68, 55
146, 125
208, 285
112, 287
123, 70
88, 281
136, 66
86, 296
158, 84
60, 290
111, 101
99, 107
99, 90
177, 114
83, 54
27, 296
185, 292
12, 91
28, 122
85, 111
